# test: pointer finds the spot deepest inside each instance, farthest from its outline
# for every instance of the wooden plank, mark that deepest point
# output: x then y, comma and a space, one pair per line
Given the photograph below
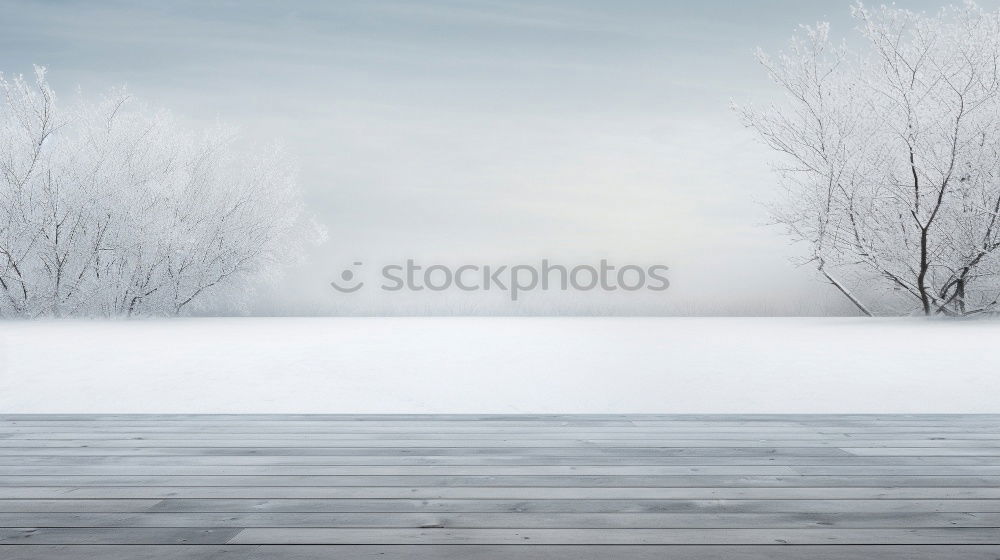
554, 435
499, 506
535, 506
519, 520
420, 417
522, 493
991, 446
436, 470
225, 461
195, 425
978, 423
423, 417
541, 431
77, 506
112, 470
504, 481
799, 417
741, 421
464, 451
215, 505
896, 470
98, 535
445, 416
91, 535
601, 536
487, 552
924, 451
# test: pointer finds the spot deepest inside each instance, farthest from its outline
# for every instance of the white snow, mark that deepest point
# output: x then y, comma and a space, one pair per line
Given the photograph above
501, 365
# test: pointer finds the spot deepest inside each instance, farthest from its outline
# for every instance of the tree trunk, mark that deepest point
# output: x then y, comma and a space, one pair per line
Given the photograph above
960, 290
925, 300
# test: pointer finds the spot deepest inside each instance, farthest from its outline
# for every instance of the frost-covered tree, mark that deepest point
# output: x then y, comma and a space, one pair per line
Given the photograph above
108, 208
890, 157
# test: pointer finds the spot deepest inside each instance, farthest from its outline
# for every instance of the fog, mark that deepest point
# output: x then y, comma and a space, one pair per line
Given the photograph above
477, 132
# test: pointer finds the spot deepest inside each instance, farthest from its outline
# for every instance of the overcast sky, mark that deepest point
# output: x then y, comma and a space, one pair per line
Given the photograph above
477, 131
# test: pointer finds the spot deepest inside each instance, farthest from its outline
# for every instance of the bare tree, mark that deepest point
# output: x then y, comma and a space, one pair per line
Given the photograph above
890, 157
110, 209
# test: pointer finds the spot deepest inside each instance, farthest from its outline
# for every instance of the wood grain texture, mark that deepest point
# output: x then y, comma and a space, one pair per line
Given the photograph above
501, 552
532, 487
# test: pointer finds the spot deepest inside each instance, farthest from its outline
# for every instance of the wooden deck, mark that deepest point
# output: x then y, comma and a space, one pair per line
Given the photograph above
506, 487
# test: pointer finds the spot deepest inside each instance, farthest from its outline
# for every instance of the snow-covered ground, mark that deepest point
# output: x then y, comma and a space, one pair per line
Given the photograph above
500, 365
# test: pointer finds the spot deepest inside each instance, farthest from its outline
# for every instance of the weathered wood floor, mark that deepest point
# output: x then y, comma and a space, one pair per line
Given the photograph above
507, 487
